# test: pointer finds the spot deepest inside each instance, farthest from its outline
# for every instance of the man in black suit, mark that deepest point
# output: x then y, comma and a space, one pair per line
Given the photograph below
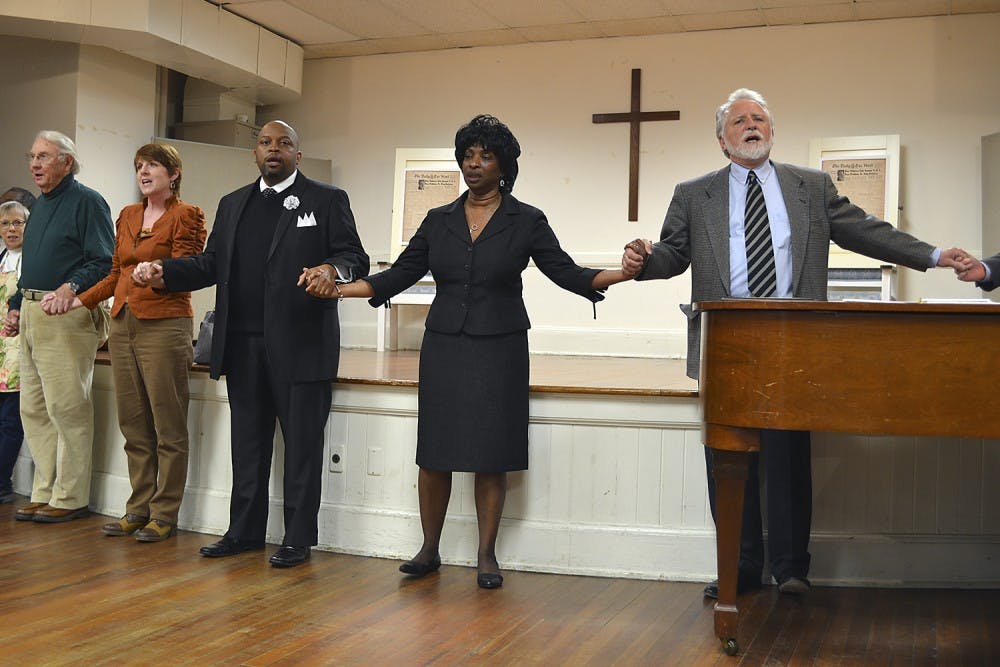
277, 345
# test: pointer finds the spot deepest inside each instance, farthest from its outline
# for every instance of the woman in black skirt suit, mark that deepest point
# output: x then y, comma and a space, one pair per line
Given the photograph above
473, 391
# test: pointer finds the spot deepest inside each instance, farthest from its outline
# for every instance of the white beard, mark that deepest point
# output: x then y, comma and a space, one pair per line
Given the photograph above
754, 152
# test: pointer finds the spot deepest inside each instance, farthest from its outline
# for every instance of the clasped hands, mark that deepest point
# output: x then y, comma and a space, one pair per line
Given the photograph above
967, 268
149, 274
320, 281
634, 257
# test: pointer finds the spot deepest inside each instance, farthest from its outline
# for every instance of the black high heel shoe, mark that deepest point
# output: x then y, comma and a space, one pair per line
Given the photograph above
417, 569
489, 580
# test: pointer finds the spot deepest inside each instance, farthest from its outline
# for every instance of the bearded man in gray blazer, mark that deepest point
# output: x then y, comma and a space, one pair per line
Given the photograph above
704, 229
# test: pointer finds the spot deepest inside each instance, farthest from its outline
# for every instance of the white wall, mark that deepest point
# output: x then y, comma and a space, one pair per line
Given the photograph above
38, 90
116, 106
103, 100
933, 81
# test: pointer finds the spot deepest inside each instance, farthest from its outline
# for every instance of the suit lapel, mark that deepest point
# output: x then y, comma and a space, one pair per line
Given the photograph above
793, 191
285, 221
454, 219
715, 210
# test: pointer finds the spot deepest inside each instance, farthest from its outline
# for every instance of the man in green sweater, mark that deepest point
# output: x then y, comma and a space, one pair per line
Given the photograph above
65, 253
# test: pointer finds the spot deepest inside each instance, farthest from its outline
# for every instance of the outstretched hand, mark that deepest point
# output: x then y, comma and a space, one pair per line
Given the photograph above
974, 274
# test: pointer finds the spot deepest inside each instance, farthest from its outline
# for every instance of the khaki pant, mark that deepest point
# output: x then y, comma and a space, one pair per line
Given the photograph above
150, 361
57, 372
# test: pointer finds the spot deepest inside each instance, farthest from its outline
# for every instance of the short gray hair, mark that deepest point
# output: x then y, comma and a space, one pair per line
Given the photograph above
735, 96
16, 206
65, 144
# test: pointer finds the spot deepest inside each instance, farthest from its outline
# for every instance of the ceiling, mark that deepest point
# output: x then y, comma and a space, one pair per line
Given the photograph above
339, 28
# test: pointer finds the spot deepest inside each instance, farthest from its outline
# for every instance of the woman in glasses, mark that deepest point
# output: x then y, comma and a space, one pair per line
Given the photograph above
150, 344
13, 216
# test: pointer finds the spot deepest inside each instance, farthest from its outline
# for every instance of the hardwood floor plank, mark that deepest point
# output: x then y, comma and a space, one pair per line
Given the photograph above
70, 596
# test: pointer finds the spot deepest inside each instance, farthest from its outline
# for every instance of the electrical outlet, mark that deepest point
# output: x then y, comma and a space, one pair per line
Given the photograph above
336, 459
376, 462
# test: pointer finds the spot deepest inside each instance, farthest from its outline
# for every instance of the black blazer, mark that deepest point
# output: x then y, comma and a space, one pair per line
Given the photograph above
302, 332
478, 284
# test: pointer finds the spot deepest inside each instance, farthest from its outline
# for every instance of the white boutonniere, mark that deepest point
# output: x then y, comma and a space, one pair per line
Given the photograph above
291, 202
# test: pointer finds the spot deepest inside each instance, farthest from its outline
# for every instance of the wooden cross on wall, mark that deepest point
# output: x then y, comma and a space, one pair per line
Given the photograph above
633, 118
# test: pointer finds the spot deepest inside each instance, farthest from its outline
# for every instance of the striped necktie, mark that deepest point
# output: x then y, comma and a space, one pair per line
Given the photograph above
761, 276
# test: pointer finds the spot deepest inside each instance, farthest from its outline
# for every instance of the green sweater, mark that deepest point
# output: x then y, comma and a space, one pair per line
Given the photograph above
69, 238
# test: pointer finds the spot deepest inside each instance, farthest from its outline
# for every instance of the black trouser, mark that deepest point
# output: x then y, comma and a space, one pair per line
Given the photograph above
787, 466
257, 396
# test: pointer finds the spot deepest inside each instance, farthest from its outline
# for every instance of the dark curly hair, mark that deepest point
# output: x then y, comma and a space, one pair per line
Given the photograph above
488, 132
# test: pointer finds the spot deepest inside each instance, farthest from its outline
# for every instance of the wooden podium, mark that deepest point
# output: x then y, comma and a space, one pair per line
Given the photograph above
856, 367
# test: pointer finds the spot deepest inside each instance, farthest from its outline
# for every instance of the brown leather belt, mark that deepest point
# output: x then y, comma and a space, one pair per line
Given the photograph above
34, 294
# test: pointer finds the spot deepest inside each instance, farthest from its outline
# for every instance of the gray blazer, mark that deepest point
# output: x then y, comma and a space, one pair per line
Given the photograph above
696, 233
991, 284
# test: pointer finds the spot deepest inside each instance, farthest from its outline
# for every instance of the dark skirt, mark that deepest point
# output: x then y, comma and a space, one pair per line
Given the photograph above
473, 402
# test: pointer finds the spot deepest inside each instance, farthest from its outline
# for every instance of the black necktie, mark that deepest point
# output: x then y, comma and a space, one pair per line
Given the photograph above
268, 192
761, 277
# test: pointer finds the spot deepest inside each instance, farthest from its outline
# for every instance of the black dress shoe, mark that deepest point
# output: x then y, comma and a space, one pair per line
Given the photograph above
227, 546
744, 584
289, 556
417, 569
489, 580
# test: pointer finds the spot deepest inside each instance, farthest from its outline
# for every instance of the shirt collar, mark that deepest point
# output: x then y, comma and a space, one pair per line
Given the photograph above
284, 185
59, 189
739, 172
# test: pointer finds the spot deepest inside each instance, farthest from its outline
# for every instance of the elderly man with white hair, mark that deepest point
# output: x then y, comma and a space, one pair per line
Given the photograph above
67, 248
762, 229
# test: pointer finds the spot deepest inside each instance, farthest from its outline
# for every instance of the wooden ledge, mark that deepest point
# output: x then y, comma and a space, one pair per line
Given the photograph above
550, 373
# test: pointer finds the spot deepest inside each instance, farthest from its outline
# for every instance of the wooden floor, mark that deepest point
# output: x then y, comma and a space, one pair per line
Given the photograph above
70, 596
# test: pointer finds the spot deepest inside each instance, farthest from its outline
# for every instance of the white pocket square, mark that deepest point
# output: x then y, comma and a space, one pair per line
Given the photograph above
307, 220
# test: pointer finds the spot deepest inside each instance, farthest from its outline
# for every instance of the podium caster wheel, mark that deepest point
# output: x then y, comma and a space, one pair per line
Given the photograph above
730, 646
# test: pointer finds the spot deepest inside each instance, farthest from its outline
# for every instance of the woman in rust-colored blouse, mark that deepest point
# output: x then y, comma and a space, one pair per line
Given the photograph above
150, 345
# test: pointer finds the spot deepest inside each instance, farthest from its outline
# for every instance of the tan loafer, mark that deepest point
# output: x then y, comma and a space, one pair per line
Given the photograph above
27, 512
51, 514
126, 525
155, 531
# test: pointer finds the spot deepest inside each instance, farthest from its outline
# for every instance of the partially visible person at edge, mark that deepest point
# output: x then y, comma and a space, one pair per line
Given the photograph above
473, 389
278, 347
803, 212
19, 195
67, 249
150, 344
13, 216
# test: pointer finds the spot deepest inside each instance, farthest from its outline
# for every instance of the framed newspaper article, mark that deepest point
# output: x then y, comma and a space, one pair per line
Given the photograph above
866, 170
425, 178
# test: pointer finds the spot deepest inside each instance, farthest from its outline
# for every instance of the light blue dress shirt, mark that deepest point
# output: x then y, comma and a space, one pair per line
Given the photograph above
781, 231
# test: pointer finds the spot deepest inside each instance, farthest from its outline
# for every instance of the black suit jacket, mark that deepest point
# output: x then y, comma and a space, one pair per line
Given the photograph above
478, 284
302, 332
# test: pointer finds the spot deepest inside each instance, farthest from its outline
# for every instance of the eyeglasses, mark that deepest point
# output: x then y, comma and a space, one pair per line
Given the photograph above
11, 223
44, 158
